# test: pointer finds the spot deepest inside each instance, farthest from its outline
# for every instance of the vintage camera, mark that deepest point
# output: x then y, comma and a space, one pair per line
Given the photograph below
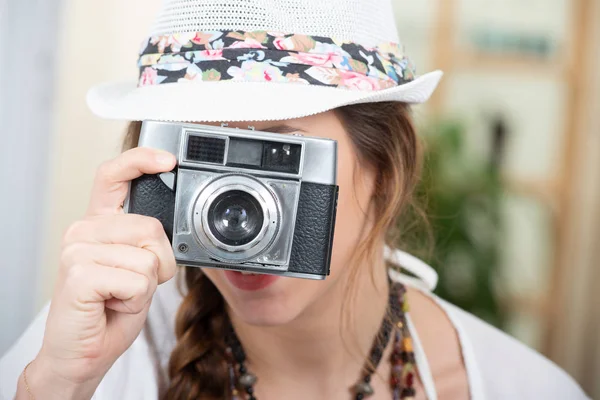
241, 199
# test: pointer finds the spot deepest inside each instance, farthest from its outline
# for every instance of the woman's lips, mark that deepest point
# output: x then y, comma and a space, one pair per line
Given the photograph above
250, 282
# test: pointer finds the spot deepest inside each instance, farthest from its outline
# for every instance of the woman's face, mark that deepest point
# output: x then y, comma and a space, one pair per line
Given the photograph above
276, 301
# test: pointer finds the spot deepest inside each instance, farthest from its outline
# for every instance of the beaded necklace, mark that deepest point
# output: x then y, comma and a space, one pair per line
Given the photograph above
403, 359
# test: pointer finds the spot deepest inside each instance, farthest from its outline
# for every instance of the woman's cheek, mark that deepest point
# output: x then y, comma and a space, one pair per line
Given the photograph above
350, 221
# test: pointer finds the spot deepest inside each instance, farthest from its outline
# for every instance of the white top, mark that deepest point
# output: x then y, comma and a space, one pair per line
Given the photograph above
497, 366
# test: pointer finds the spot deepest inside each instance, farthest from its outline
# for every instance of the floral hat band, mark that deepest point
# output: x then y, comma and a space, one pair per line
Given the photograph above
262, 56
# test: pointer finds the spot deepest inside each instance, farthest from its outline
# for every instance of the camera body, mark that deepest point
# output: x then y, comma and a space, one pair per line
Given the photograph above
242, 199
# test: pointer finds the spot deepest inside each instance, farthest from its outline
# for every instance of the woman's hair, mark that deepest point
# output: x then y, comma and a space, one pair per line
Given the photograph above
384, 139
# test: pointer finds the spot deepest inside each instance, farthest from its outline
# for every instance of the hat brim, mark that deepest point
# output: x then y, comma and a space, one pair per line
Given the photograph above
240, 101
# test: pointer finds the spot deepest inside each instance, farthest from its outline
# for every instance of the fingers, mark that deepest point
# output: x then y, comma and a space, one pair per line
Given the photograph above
112, 179
126, 290
122, 256
121, 231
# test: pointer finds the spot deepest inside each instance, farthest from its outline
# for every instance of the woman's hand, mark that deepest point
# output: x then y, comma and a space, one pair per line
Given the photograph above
111, 264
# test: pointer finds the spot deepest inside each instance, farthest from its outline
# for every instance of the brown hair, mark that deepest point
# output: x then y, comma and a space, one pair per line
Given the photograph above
384, 139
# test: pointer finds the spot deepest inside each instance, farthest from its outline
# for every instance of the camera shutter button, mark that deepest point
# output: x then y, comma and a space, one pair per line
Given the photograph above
168, 178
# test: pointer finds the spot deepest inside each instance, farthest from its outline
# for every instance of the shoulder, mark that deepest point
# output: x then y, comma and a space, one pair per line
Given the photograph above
505, 367
138, 374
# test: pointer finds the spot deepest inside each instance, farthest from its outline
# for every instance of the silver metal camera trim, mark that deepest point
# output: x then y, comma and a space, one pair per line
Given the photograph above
319, 156
271, 216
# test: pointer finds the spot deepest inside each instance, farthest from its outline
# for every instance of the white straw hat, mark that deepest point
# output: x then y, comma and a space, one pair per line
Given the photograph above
249, 60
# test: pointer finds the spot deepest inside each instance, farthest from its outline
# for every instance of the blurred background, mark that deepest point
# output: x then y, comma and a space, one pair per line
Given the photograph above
510, 183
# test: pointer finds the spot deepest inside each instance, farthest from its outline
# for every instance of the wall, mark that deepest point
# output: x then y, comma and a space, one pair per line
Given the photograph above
26, 115
99, 42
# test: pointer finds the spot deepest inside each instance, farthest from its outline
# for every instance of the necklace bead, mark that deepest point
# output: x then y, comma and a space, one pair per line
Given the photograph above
364, 388
247, 380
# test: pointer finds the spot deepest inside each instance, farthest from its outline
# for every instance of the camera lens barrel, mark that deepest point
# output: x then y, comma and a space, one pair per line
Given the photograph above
236, 217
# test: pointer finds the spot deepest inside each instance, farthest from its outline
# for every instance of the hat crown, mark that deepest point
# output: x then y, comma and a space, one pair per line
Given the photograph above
366, 22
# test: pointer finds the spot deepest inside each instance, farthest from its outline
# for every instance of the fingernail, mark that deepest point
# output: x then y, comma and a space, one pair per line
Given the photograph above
165, 158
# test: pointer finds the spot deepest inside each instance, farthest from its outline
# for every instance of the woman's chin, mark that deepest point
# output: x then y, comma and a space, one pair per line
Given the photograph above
259, 299
262, 312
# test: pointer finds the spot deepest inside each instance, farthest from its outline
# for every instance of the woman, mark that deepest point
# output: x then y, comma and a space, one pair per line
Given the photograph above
324, 69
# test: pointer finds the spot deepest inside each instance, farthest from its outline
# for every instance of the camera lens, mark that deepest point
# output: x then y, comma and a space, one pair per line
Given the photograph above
235, 218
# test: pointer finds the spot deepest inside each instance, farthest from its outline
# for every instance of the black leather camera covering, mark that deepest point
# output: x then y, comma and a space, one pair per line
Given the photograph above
151, 197
313, 235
